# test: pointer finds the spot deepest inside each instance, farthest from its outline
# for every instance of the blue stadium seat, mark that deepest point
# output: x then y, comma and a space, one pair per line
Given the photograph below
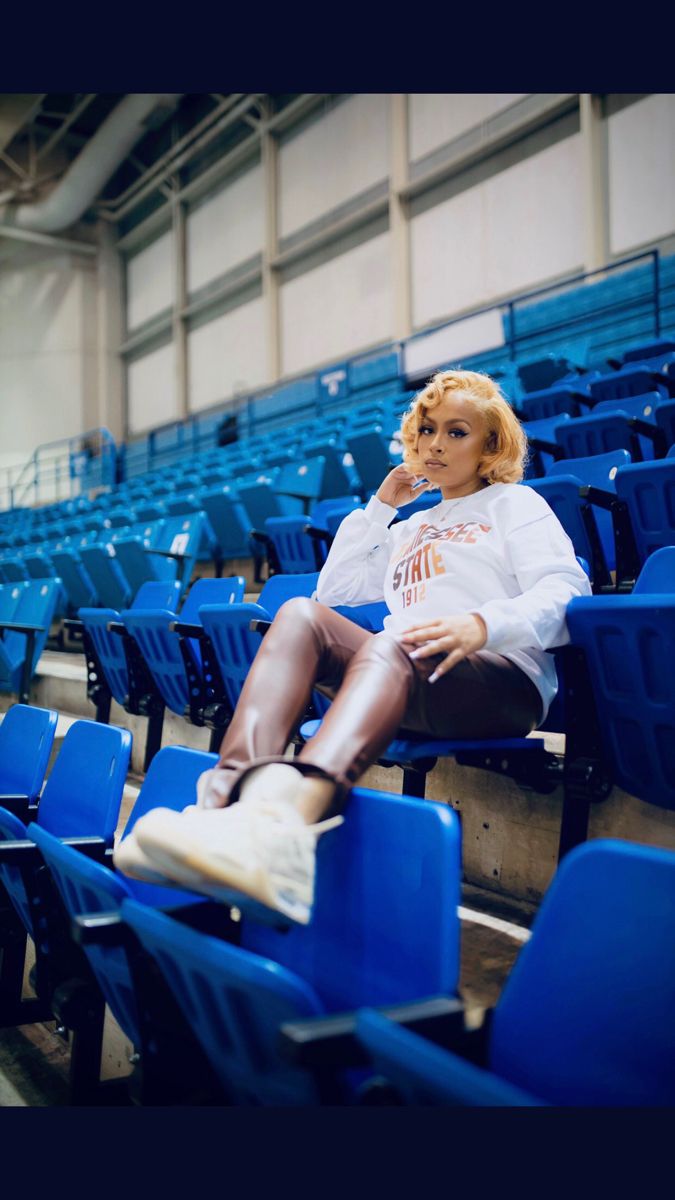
235, 644
648, 489
89, 887
26, 740
552, 402
630, 380
373, 455
372, 934
606, 431
582, 493
585, 1017
179, 654
23, 637
628, 643
80, 801
113, 670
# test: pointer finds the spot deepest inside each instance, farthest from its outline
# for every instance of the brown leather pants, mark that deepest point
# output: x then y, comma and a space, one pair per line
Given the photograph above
376, 688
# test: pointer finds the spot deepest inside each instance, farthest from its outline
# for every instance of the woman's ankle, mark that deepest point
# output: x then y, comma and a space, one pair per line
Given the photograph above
315, 798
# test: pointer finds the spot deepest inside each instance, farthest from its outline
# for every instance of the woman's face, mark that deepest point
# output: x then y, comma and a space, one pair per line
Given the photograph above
451, 443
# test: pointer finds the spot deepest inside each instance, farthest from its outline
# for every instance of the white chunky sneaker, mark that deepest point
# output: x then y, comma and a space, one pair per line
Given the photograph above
259, 846
130, 860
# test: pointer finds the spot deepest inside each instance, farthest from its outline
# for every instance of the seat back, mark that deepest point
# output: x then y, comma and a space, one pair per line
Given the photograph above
161, 648
112, 586
631, 380
294, 547
77, 582
183, 535
372, 456
230, 523
600, 471
280, 588
629, 642
83, 794
89, 887
109, 646
586, 1015
550, 402
657, 576
10, 594
81, 798
649, 491
228, 627
36, 605
373, 938
26, 740
587, 436
310, 475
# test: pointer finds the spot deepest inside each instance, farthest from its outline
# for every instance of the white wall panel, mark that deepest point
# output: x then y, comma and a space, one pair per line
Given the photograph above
511, 232
436, 118
47, 348
226, 229
151, 390
642, 172
150, 281
228, 355
332, 159
337, 308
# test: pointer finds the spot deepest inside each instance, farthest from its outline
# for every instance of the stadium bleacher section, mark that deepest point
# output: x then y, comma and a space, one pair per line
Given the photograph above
202, 990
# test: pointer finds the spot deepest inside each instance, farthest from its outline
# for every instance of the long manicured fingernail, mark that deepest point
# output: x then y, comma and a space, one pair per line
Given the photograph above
414, 654
433, 677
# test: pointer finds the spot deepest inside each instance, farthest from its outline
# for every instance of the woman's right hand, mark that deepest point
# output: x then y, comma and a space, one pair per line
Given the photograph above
399, 487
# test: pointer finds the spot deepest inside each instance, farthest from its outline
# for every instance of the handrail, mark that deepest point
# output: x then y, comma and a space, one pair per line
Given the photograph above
189, 430
74, 464
522, 297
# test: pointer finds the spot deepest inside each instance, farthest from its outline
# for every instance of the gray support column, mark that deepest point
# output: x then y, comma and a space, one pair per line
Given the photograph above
270, 278
110, 309
179, 303
595, 182
398, 216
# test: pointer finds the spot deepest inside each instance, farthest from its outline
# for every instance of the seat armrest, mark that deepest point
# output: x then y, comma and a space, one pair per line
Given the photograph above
261, 536
167, 553
655, 435
599, 496
117, 627
23, 853
185, 629
19, 805
100, 929
21, 627
259, 626
332, 1042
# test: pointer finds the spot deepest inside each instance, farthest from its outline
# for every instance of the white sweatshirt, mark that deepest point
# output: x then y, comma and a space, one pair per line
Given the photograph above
500, 552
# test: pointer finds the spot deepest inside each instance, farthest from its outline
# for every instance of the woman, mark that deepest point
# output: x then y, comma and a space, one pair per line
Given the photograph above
477, 588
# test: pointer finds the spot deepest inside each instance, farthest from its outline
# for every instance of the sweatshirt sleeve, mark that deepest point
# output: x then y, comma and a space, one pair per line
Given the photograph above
542, 559
357, 561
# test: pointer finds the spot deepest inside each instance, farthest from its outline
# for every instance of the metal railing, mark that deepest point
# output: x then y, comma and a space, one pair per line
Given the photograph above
61, 470
196, 432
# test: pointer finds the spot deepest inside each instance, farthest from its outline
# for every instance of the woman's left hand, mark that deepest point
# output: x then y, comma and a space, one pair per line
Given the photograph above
456, 637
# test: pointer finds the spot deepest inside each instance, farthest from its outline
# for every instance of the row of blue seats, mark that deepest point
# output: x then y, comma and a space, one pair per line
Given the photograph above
227, 1003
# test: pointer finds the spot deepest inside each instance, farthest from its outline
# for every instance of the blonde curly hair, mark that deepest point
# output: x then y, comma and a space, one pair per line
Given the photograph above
505, 453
